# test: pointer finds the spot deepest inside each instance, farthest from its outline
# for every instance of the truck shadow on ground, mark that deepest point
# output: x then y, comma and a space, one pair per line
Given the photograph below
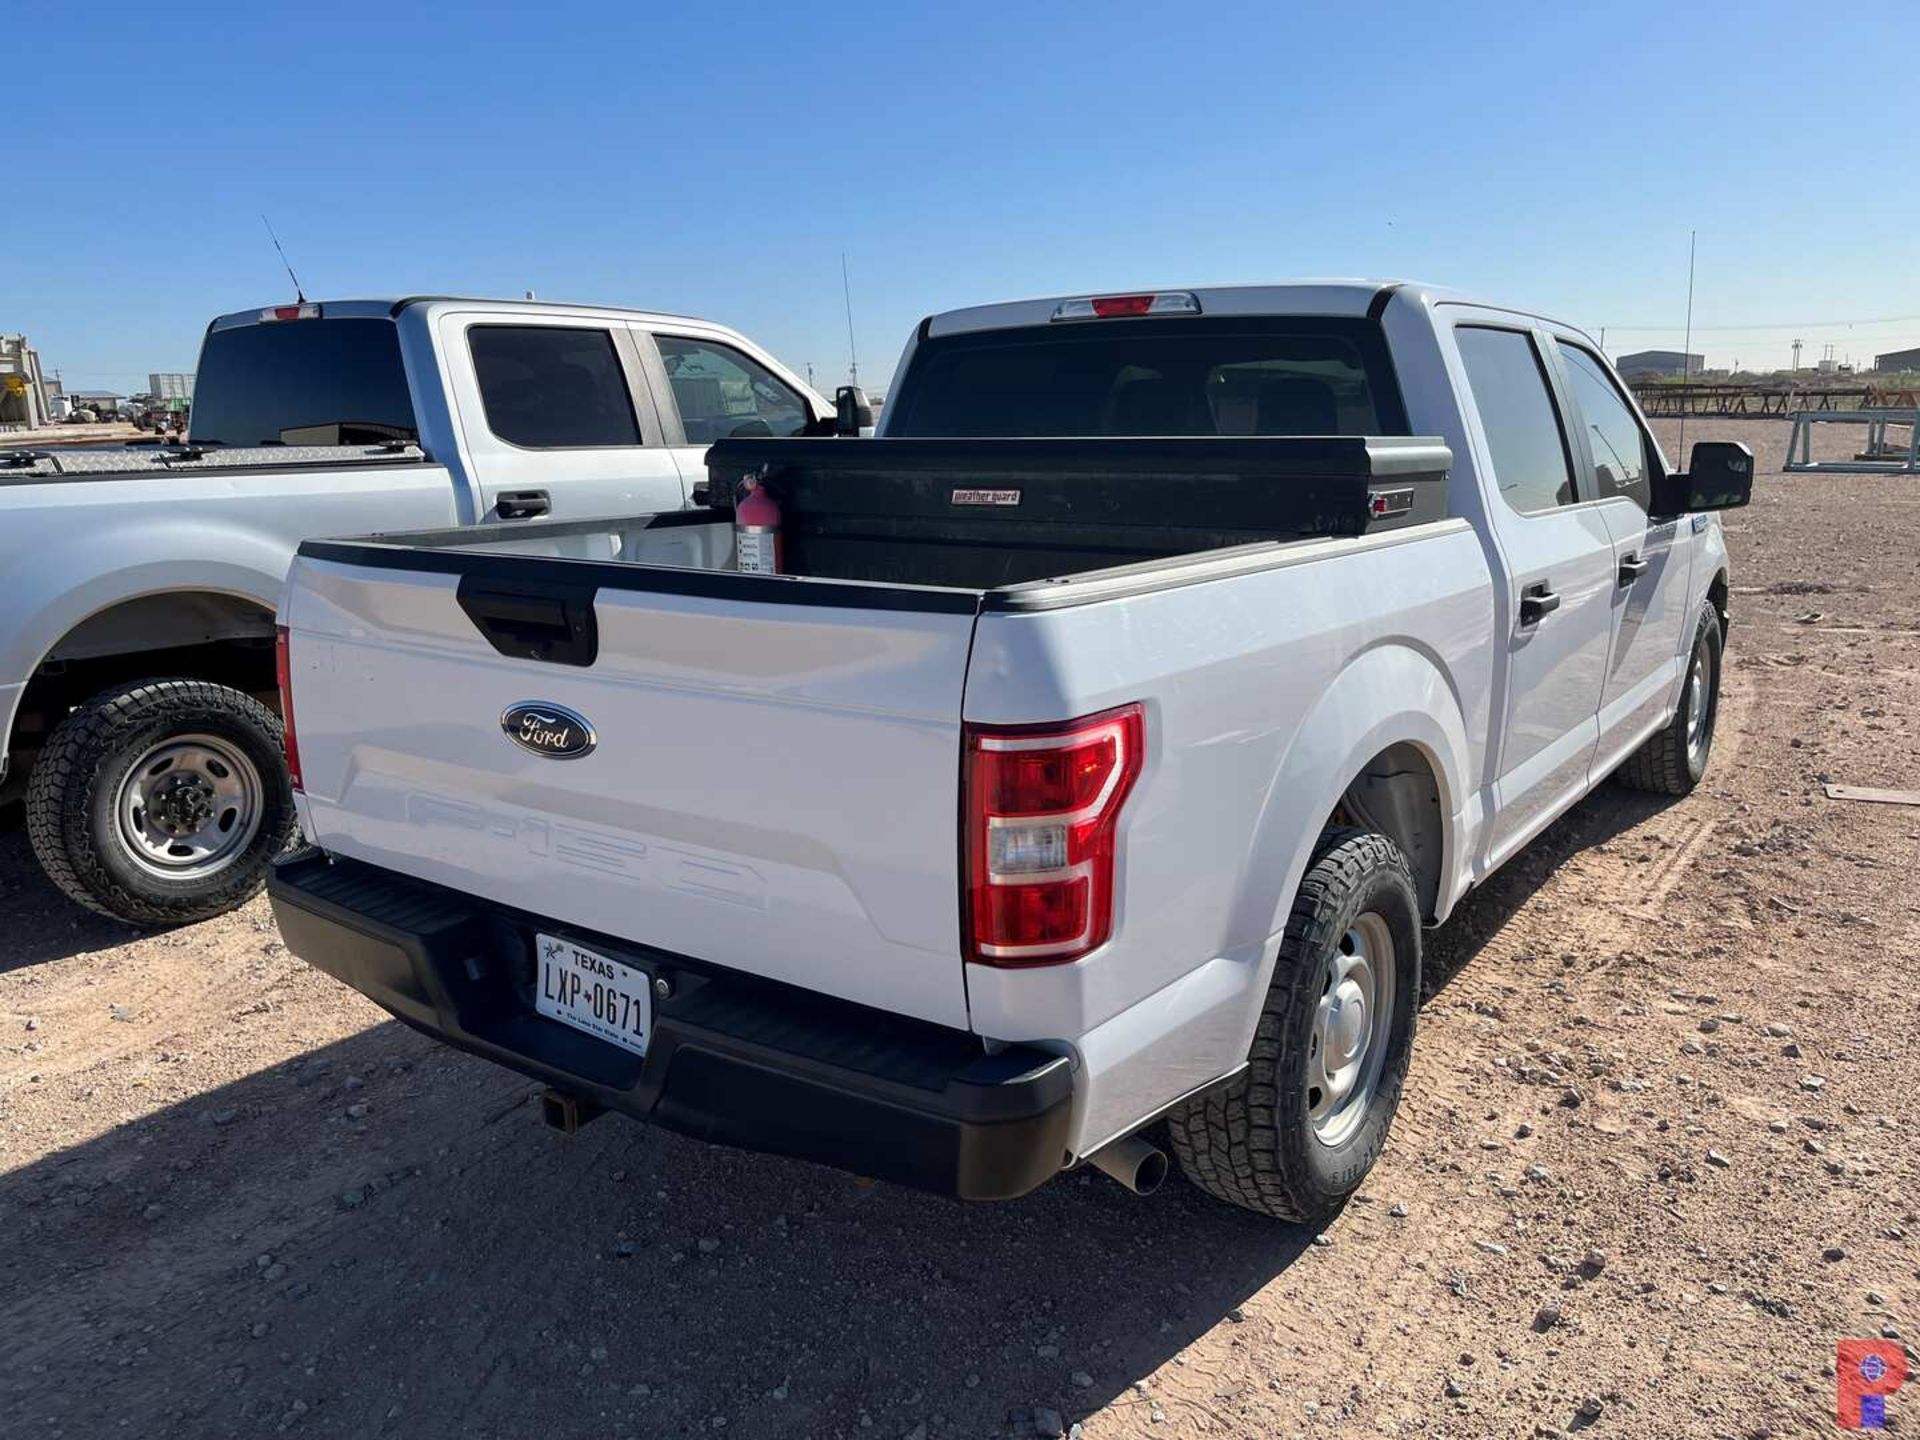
270, 1252
273, 1255
38, 923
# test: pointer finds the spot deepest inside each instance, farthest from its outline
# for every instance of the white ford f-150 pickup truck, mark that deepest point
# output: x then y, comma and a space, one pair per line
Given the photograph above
1115, 723
140, 584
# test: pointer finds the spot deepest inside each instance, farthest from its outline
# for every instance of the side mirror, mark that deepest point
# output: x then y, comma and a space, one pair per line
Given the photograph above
854, 411
1719, 476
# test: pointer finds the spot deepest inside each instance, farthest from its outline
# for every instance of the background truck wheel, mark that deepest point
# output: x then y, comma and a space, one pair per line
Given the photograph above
1673, 761
1298, 1131
161, 802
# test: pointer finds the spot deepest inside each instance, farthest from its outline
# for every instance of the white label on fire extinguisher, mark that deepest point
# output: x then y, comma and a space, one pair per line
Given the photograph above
754, 549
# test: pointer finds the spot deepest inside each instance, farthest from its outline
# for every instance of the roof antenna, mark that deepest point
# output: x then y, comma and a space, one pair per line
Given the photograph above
299, 294
846, 289
1686, 351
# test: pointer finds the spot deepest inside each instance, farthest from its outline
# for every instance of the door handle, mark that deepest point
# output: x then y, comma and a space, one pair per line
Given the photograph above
521, 504
1631, 569
1536, 602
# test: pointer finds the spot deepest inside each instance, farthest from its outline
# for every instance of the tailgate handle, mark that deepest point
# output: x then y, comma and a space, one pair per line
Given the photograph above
529, 621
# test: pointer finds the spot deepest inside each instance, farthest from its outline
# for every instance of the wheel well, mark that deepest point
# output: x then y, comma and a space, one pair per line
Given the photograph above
1397, 794
1717, 595
202, 635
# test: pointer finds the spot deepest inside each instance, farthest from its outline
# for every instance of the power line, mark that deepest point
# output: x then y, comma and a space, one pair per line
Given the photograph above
1785, 324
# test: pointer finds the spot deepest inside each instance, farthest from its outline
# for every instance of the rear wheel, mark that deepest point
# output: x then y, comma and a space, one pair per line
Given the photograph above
1297, 1131
161, 802
1674, 760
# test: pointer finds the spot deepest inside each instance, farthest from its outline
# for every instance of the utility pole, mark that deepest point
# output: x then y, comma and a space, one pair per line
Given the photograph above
1796, 357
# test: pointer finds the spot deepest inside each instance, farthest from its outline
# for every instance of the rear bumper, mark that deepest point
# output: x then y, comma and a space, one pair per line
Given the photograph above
730, 1059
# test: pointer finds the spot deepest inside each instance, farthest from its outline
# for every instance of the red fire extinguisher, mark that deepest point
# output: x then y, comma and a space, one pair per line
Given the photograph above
756, 530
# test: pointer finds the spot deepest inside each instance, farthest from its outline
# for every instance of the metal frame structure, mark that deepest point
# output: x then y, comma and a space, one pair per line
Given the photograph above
1662, 401
1881, 456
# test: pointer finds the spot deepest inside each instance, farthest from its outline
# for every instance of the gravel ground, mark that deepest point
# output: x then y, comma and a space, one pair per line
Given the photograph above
1656, 1156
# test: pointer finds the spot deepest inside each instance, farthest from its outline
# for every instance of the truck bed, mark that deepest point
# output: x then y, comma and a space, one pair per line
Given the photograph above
959, 524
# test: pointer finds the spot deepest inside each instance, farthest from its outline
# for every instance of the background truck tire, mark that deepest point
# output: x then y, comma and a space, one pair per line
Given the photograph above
161, 802
1674, 760
1255, 1143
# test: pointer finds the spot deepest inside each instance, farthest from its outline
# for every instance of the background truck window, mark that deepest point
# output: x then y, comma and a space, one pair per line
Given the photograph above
1181, 376
303, 382
1528, 448
553, 387
1620, 450
720, 392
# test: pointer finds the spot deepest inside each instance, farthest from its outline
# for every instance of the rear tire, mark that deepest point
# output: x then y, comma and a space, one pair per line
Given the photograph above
1284, 1138
1674, 760
161, 802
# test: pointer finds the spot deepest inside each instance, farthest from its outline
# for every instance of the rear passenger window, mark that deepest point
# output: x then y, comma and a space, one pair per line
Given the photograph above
1620, 451
1528, 450
552, 387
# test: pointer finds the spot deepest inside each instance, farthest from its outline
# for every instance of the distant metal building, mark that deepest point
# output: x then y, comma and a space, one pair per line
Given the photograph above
23, 391
1660, 362
1897, 361
170, 385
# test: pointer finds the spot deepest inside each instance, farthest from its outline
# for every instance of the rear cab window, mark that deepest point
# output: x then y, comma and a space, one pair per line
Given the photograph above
303, 382
1277, 375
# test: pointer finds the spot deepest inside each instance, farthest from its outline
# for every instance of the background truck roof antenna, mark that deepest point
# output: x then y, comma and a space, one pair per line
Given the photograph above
298, 294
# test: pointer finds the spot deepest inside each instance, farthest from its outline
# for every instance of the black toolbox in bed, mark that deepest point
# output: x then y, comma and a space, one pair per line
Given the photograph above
1048, 506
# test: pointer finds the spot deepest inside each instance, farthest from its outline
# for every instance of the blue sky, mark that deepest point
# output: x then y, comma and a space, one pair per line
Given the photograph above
717, 159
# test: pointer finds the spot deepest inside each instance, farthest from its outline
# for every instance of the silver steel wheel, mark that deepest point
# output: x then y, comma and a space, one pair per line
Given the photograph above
188, 807
1699, 709
1350, 1028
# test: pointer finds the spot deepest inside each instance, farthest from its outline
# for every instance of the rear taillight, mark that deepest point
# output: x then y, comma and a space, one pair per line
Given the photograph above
1042, 809
283, 675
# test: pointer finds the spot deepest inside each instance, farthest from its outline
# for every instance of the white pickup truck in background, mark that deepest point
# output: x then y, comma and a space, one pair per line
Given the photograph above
136, 666
1060, 784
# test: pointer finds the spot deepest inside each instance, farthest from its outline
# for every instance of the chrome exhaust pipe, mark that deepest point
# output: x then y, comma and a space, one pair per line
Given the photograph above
1134, 1163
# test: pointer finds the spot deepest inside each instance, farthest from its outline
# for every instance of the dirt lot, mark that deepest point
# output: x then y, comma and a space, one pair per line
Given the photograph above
1656, 1156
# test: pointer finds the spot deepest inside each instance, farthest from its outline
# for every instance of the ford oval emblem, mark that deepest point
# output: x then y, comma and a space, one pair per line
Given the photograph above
550, 730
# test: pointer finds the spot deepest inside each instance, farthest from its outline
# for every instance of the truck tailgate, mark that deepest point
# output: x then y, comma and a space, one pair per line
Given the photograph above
772, 787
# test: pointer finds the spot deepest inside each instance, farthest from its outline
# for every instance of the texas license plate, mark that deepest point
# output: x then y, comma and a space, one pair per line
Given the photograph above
591, 992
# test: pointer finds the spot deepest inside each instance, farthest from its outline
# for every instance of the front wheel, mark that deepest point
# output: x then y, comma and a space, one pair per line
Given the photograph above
161, 803
1674, 760
1297, 1131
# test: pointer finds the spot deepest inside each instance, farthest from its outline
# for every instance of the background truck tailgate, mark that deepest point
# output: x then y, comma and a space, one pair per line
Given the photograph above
774, 787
